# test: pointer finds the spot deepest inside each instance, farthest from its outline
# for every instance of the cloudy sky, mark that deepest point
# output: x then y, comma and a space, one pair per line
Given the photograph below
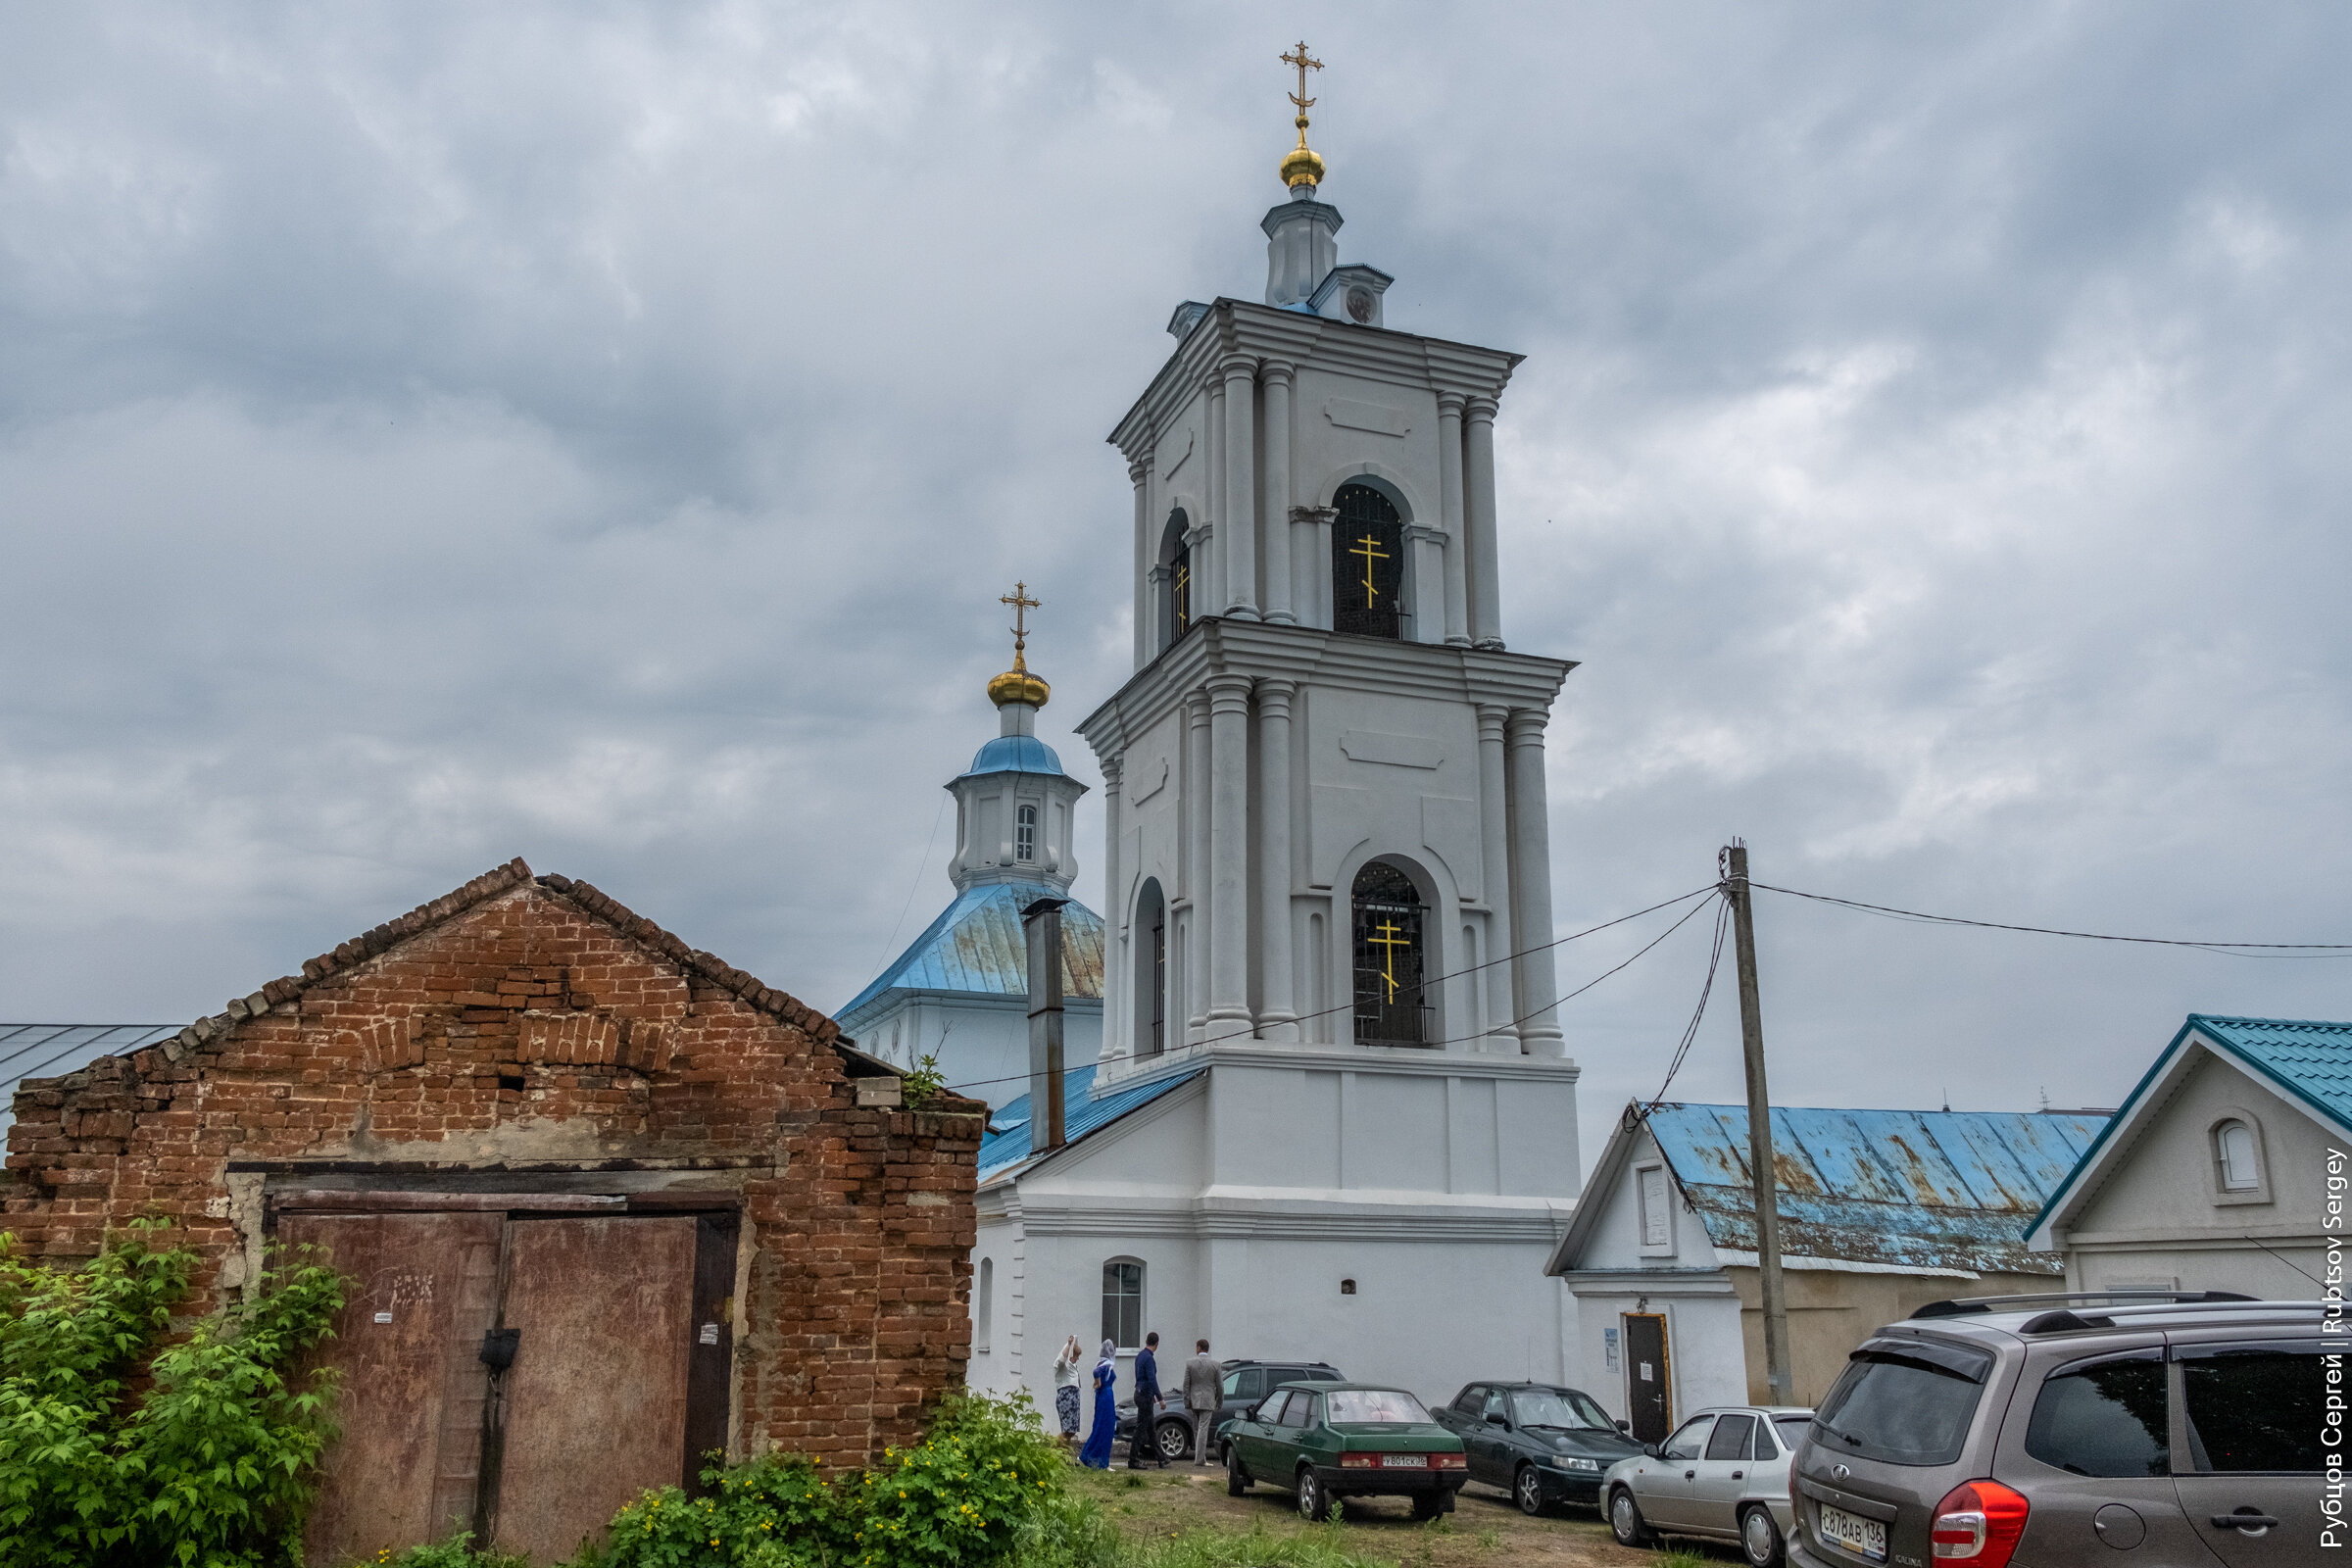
599, 434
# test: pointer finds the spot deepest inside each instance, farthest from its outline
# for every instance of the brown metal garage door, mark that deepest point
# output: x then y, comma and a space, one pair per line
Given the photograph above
618, 1376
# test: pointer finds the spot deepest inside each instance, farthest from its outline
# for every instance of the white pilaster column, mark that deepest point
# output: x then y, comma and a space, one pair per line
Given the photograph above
1228, 854
1278, 1001
1425, 547
1239, 520
1118, 955
1478, 463
1531, 885
1494, 854
1449, 493
1208, 565
1147, 602
1316, 581
1274, 492
1195, 976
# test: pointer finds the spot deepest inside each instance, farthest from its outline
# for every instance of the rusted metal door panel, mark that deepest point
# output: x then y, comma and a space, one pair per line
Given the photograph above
594, 1408
410, 1408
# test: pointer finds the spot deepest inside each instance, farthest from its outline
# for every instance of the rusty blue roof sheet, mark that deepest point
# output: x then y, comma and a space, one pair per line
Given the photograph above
1006, 1143
51, 1050
977, 945
1907, 1188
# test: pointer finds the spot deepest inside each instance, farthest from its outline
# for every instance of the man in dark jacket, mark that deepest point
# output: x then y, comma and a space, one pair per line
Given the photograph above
1148, 1403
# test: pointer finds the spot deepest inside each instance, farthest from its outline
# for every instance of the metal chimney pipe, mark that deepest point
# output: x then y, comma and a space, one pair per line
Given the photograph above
1041, 923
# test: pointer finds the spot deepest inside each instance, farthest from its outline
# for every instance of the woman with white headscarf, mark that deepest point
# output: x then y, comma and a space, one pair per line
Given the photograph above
1065, 1389
1097, 1452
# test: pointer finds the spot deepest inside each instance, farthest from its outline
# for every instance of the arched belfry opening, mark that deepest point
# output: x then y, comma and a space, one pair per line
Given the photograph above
1367, 562
1150, 969
1389, 948
1176, 590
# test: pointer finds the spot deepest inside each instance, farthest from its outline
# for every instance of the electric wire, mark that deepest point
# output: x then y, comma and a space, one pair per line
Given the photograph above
2240, 950
1350, 1004
1723, 911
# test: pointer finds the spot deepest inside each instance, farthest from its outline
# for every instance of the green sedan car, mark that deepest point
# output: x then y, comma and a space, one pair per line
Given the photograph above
1344, 1439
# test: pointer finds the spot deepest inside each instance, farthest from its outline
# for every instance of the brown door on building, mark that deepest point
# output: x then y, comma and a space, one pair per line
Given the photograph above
424, 1289
617, 1380
1648, 1390
595, 1405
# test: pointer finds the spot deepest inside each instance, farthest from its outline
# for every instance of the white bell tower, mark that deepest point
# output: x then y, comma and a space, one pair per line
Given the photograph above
1324, 782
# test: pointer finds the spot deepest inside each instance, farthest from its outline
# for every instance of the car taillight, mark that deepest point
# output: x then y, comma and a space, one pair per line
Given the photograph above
1358, 1461
1449, 1461
1978, 1523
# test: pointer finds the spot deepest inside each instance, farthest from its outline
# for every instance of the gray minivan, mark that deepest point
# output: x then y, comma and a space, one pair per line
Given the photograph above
2058, 1429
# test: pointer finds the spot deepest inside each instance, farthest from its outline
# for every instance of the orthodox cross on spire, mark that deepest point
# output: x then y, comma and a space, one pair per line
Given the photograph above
1301, 166
1021, 604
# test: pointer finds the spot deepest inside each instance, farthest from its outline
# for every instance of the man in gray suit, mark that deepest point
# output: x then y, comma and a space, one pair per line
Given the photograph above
1203, 1394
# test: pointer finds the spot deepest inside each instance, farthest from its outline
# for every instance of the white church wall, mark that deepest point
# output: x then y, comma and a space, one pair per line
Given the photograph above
981, 1041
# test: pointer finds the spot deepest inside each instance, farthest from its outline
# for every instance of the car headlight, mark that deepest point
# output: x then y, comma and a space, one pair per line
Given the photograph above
1588, 1467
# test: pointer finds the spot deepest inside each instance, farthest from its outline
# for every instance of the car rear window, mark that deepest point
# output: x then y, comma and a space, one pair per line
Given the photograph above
2102, 1418
2253, 1407
1904, 1402
1373, 1404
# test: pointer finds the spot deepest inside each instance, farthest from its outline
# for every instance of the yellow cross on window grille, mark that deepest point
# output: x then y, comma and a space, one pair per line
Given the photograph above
1389, 941
1369, 548
1184, 597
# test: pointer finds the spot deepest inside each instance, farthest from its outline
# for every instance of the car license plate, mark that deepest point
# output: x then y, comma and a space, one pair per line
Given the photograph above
1855, 1533
1403, 1461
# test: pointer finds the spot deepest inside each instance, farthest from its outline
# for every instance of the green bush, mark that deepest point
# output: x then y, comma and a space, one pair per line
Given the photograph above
214, 1465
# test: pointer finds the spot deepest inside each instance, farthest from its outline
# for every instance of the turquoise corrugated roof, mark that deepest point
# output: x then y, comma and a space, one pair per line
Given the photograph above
1922, 1189
1082, 1112
2306, 1059
977, 945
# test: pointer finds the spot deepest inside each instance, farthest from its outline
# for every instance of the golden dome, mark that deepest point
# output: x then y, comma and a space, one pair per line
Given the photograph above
1303, 166
1018, 685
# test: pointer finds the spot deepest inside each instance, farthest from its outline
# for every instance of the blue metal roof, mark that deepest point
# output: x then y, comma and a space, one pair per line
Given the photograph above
2308, 1060
1917, 1189
1008, 1143
1015, 754
977, 945
52, 1049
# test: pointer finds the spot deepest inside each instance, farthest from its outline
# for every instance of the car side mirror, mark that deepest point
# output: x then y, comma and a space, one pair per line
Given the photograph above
1502, 1421
1626, 1427
1650, 1448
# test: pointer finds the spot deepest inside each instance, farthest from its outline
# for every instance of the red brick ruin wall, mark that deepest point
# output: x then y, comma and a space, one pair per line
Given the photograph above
631, 1052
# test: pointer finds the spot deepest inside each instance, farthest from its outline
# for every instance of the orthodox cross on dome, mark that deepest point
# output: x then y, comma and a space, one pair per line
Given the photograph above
1021, 604
1389, 942
1369, 548
1303, 166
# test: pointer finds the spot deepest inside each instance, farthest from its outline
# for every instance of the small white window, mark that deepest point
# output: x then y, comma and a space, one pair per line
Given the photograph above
1123, 1302
1024, 837
2234, 1154
987, 1292
1656, 1221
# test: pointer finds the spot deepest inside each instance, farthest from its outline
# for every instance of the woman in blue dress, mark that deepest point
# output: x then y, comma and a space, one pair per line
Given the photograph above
1097, 1452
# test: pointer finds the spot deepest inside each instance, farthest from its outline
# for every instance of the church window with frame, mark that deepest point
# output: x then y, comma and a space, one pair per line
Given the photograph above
1024, 835
1367, 563
1123, 1302
1390, 1008
1176, 552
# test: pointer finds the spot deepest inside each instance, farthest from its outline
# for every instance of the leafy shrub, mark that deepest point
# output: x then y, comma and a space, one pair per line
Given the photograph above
212, 1466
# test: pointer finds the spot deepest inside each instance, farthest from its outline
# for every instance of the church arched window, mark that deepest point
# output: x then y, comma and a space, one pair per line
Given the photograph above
1123, 1302
1177, 563
1389, 930
1151, 970
1367, 562
1024, 835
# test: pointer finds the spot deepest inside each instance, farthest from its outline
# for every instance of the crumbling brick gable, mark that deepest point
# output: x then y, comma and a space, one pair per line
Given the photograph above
536, 1023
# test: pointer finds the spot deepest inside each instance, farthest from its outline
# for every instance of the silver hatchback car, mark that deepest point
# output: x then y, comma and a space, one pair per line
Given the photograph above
1722, 1476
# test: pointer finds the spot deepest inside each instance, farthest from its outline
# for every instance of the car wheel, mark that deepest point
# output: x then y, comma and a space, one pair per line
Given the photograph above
1624, 1520
1314, 1503
1173, 1441
1760, 1537
1237, 1479
1527, 1490
1428, 1504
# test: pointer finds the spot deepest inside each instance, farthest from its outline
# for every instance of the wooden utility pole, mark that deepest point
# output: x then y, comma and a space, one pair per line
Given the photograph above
1777, 1371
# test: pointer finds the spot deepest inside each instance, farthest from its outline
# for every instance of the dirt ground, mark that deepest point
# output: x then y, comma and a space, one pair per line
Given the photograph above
1485, 1529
